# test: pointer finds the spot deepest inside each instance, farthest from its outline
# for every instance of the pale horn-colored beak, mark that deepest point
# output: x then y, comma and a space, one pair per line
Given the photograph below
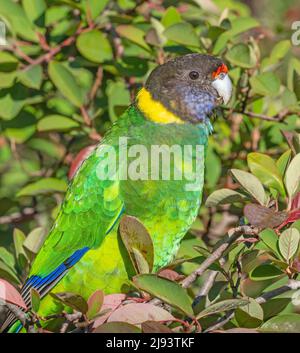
222, 84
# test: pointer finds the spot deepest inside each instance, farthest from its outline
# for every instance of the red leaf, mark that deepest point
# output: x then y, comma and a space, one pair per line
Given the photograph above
263, 217
111, 302
155, 327
80, 157
296, 202
9, 294
137, 313
292, 217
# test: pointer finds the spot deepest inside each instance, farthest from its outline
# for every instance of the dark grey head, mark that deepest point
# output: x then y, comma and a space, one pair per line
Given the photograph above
190, 86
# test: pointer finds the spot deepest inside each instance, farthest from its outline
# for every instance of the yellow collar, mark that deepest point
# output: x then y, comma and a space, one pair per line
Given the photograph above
154, 110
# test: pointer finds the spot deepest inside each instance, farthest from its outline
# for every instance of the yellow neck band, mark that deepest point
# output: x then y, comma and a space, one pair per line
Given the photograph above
154, 110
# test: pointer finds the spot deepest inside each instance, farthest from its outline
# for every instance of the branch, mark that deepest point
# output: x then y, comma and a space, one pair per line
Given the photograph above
234, 234
276, 118
18, 217
291, 285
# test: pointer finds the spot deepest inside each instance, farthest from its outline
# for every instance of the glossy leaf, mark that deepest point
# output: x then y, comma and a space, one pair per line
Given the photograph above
289, 243
292, 176
222, 306
43, 186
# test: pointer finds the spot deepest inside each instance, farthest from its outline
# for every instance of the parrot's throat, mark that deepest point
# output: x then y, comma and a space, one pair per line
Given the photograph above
154, 110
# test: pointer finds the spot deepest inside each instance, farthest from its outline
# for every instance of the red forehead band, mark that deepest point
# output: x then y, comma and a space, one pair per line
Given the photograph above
221, 69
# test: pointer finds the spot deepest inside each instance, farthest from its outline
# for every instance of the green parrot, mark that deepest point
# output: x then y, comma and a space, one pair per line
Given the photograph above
83, 251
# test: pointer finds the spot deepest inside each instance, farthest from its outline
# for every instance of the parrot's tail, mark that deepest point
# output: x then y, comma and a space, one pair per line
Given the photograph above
11, 324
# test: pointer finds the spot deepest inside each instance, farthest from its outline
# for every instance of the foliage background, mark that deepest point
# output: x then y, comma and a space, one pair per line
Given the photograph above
70, 68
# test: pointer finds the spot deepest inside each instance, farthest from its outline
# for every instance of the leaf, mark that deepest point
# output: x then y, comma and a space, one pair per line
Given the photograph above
56, 123
224, 196
289, 242
238, 25
155, 327
12, 100
138, 243
284, 323
65, 82
94, 46
35, 300
110, 304
9, 294
94, 7
250, 315
117, 327
35, 11
34, 240
137, 313
292, 176
32, 77
270, 238
263, 217
20, 24
43, 186
251, 184
95, 303
182, 33
266, 170
19, 238
170, 274
264, 272
224, 305
283, 162
8, 273
75, 301
168, 291
170, 17
8, 62
7, 257
241, 55
265, 84
133, 34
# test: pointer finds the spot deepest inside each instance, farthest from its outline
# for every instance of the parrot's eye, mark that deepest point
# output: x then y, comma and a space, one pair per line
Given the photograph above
194, 75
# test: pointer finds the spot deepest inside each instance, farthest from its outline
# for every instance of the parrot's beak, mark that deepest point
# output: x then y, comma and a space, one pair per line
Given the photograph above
222, 84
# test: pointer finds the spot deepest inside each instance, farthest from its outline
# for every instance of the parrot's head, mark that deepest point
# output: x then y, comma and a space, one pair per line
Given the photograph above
185, 89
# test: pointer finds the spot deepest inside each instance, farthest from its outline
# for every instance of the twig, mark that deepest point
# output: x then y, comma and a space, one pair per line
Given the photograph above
27, 213
234, 234
277, 118
97, 84
291, 285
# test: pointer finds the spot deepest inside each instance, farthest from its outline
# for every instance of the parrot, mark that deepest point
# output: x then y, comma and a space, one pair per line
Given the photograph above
83, 251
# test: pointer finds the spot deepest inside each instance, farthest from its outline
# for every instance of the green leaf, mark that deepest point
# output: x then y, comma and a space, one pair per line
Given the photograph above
43, 186
74, 301
19, 238
266, 170
95, 303
138, 243
8, 273
182, 33
133, 34
118, 98
12, 101
34, 240
224, 196
8, 62
292, 176
94, 7
238, 26
270, 238
280, 50
7, 257
289, 242
283, 162
35, 11
251, 315
251, 184
241, 55
94, 46
35, 300
171, 16
32, 77
168, 291
265, 84
20, 24
264, 272
285, 323
224, 305
65, 82
56, 122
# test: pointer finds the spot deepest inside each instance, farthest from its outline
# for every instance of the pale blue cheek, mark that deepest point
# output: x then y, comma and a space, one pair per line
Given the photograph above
200, 104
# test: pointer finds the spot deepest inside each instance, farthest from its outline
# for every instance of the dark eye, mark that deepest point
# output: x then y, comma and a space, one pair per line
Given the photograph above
194, 75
